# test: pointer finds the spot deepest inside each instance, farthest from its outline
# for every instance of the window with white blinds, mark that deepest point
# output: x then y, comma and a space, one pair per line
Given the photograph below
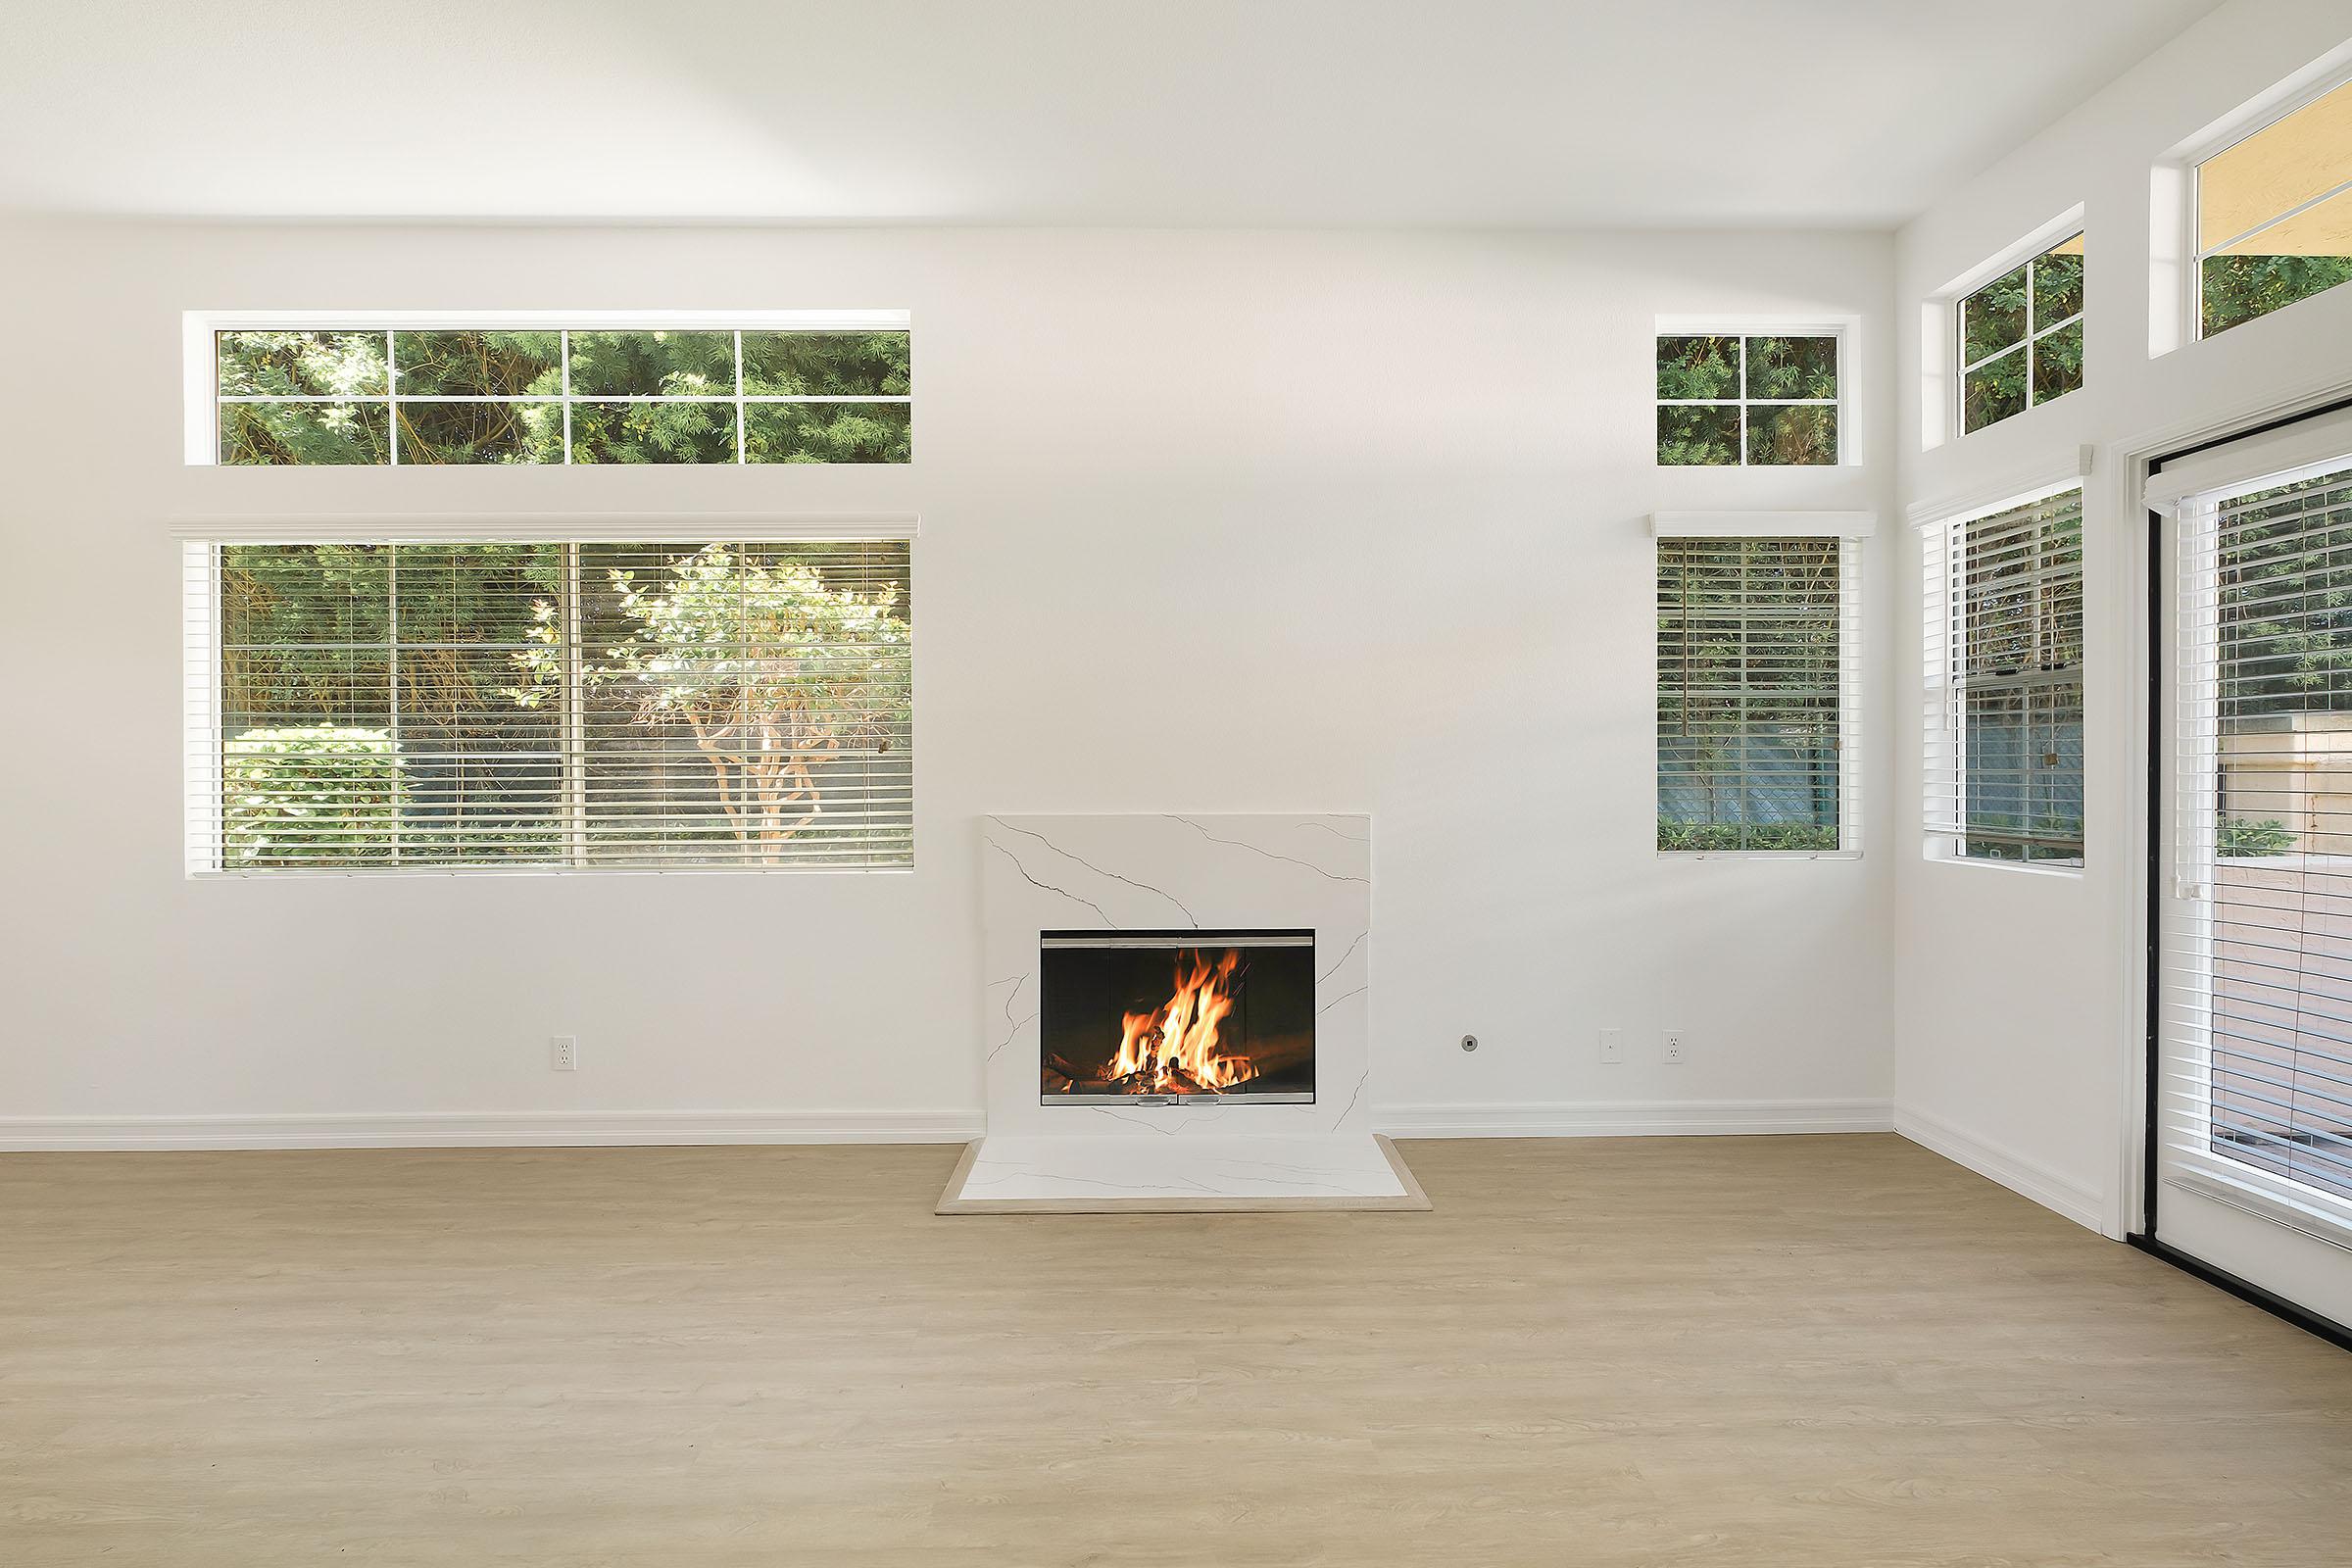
2256, 1032
359, 707
1757, 653
2003, 603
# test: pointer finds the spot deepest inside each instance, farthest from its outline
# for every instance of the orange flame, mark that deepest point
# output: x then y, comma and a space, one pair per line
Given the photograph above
1161, 1049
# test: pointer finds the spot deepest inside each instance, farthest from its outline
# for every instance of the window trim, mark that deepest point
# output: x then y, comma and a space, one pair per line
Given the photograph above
1840, 328
201, 436
2297, 91
1941, 326
1852, 530
2034, 333
1943, 766
200, 539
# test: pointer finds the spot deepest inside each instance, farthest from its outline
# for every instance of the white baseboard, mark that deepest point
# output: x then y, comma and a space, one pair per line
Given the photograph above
508, 1130
1635, 1118
2029, 1178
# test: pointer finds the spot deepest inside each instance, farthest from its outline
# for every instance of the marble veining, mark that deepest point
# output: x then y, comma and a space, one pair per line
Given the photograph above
1159, 872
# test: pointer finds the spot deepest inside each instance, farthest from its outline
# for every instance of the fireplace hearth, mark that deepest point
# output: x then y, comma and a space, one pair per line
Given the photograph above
1177, 1017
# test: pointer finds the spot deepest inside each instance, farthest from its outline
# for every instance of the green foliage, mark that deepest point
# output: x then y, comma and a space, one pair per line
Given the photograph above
2057, 286
336, 364
1996, 316
1722, 837
2241, 837
2008, 836
825, 363
653, 432
2057, 363
638, 364
1993, 391
827, 432
1783, 368
347, 410
2287, 603
2015, 316
436, 433
306, 796
1698, 368
1799, 434
1695, 435
305, 434
484, 365
2239, 288
771, 668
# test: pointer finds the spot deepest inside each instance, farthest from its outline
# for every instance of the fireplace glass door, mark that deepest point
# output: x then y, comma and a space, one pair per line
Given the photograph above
1165, 1017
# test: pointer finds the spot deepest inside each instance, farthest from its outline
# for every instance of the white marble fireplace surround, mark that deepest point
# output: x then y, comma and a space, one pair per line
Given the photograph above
1178, 872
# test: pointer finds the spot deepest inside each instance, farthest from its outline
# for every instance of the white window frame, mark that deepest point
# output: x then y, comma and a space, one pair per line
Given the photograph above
2189, 493
1943, 370
1943, 770
2180, 181
2036, 331
1744, 329
1854, 531
200, 538
201, 439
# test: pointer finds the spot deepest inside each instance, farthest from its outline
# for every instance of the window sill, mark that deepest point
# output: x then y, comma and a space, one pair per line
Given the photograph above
1759, 854
319, 873
2068, 873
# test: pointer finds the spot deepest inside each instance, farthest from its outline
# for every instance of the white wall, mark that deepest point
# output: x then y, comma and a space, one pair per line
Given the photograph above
1371, 503
2016, 1012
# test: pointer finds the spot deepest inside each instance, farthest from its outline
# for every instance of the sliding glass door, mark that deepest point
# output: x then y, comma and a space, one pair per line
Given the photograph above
2251, 1055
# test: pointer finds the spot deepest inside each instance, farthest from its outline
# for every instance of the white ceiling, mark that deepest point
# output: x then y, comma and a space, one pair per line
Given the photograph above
1511, 113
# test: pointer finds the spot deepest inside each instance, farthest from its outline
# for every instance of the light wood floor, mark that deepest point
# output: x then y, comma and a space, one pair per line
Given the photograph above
1796, 1351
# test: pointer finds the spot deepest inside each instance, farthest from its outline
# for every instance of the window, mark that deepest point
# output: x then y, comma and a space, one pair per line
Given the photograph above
324, 394
1756, 659
2021, 337
537, 703
2254, 1059
2274, 214
1759, 401
2004, 727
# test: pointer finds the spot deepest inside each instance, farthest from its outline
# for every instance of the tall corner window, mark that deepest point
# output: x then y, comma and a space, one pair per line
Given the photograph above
548, 703
333, 394
2004, 671
1728, 400
2274, 219
2021, 337
1757, 695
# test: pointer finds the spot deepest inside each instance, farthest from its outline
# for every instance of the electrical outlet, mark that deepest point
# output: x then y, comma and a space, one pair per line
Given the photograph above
1612, 1045
563, 1053
1675, 1042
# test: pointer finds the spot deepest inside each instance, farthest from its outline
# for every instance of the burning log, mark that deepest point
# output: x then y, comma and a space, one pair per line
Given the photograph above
1060, 1067
1181, 1082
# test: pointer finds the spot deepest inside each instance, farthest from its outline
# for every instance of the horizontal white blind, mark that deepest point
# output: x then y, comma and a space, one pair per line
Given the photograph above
357, 706
1758, 657
2256, 1031
2003, 723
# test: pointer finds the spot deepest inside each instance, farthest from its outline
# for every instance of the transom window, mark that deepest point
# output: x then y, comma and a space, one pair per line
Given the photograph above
1765, 400
2274, 214
2021, 337
486, 394
546, 704
1756, 649
2004, 730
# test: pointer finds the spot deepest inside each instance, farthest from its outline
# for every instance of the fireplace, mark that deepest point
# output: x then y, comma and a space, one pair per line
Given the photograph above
1167, 1017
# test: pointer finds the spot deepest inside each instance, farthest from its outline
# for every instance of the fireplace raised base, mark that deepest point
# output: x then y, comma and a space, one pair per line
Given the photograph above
1204, 1041
1093, 1175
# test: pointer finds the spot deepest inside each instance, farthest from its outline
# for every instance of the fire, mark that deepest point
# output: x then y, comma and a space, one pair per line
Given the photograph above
1173, 1049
